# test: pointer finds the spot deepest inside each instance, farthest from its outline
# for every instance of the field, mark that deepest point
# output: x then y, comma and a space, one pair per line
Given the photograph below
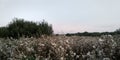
105, 47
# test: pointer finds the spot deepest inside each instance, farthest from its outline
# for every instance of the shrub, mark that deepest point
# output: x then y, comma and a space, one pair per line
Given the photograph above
19, 28
4, 32
117, 31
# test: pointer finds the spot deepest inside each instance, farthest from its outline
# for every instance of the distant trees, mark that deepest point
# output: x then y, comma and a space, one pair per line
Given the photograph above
84, 34
19, 27
94, 33
117, 31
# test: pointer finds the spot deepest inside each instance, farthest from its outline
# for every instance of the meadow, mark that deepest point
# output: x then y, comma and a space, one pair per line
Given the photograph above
105, 47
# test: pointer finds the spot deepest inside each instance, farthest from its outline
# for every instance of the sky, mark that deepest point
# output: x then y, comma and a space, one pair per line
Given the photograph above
66, 16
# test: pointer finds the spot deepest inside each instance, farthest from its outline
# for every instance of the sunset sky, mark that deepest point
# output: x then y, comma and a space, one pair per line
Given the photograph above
65, 15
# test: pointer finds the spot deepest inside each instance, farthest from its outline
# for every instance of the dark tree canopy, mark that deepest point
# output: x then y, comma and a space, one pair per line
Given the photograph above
117, 31
19, 28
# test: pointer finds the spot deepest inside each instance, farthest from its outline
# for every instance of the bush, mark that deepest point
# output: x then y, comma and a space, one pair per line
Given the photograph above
117, 31
19, 28
4, 32
106, 47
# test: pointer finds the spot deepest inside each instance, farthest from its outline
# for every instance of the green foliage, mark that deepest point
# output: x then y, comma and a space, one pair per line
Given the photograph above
117, 31
45, 28
92, 33
19, 28
3, 32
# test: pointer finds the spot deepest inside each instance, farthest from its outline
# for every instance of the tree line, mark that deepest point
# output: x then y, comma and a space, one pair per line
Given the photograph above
21, 28
116, 32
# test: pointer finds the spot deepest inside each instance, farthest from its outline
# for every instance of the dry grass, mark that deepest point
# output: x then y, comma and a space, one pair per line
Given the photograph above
61, 48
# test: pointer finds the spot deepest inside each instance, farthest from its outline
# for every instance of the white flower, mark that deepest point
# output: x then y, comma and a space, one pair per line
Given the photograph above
29, 49
67, 41
106, 58
74, 53
94, 46
21, 44
61, 58
53, 44
41, 44
88, 53
101, 40
77, 56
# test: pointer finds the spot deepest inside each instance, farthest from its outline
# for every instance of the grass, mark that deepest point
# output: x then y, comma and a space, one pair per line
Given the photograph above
106, 47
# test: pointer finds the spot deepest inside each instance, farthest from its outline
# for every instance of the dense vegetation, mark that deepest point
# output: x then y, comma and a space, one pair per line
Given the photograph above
21, 28
80, 47
106, 47
117, 32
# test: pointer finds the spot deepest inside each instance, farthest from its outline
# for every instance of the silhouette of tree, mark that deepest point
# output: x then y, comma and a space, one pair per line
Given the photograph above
19, 27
